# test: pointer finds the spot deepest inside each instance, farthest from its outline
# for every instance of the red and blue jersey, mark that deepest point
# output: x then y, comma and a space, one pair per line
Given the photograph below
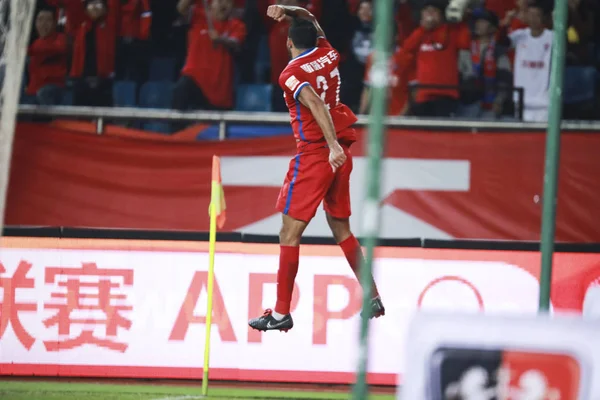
318, 68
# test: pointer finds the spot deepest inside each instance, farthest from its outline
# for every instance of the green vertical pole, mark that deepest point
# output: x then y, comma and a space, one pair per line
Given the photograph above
552, 152
370, 213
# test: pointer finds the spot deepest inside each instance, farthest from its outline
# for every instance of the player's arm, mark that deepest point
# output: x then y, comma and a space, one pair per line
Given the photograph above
279, 13
320, 112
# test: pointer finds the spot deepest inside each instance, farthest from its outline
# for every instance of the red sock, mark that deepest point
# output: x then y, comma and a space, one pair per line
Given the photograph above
354, 255
289, 258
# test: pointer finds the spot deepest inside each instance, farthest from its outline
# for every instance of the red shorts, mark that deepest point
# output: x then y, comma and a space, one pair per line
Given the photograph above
310, 181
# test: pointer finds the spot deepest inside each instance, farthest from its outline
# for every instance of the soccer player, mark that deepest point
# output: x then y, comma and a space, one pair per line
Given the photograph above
321, 169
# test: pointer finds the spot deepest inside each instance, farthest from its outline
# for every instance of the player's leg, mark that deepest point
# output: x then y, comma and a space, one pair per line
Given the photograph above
338, 210
289, 260
340, 228
303, 190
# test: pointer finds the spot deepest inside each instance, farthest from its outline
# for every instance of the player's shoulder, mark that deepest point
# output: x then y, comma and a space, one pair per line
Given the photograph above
290, 70
322, 42
291, 77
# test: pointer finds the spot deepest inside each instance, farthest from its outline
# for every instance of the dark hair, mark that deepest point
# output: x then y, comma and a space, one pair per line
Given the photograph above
487, 15
439, 4
45, 8
544, 6
303, 34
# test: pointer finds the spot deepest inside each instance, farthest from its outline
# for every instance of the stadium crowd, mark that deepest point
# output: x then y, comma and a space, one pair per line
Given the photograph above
226, 54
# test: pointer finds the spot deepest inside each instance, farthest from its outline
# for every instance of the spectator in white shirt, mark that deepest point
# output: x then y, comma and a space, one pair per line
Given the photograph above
532, 62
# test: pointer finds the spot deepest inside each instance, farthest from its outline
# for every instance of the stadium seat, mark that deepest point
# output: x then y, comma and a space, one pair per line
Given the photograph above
579, 84
253, 98
263, 60
124, 94
156, 95
160, 127
27, 100
67, 99
162, 69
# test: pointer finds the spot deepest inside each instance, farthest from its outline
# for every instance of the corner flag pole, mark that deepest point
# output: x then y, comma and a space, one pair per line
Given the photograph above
217, 219
552, 152
370, 213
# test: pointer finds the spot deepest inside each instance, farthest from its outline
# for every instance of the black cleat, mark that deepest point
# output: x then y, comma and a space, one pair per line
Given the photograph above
376, 308
268, 323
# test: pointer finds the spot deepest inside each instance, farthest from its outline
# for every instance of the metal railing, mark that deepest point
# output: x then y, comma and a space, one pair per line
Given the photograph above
102, 114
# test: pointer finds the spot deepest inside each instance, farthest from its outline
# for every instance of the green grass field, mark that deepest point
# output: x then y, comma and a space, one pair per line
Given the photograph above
33, 390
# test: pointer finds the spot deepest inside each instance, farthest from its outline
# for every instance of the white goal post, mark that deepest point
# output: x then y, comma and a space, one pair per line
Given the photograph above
16, 18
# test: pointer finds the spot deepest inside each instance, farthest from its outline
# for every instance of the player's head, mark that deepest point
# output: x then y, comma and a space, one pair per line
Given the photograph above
45, 22
221, 9
301, 36
96, 9
537, 12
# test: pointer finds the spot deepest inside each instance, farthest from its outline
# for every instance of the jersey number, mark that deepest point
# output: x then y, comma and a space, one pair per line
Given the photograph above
322, 85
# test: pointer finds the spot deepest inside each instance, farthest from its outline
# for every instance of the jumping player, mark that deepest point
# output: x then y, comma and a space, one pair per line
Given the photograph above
321, 169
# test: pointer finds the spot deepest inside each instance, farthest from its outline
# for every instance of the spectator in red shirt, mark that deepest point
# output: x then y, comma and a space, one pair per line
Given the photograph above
47, 61
404, 20
72, 11
398, 93
208, 75
441, 53
133, 47
93, 63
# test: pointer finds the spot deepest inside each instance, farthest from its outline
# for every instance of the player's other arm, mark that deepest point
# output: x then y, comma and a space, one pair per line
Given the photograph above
319, 110
279, 13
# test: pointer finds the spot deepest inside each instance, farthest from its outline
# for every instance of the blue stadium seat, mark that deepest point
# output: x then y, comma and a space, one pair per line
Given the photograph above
253, 98
156, 95
124, 94
67, 99
579, 84
263, 60
162, 69
160, 127
27, 100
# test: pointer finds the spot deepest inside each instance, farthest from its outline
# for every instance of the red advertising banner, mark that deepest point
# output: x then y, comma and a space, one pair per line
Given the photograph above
136, 309
435, 185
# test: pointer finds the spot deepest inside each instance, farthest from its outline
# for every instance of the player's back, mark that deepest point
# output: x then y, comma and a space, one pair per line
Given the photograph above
318, 68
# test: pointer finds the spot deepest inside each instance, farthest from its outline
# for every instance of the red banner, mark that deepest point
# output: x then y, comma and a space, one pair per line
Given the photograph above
435, 185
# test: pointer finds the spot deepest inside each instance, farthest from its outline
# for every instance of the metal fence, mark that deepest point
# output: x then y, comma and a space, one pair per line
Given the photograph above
101, 115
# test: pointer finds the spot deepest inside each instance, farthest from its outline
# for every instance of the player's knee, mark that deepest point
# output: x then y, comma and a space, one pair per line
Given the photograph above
289, 236
291, 231
340, 228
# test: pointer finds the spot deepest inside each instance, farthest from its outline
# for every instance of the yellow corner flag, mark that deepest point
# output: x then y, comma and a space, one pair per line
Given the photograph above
217, 220
217, 196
